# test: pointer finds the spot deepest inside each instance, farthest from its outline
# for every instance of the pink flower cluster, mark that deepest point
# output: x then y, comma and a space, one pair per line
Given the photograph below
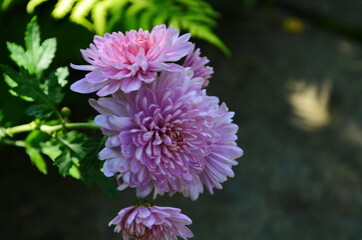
166, 135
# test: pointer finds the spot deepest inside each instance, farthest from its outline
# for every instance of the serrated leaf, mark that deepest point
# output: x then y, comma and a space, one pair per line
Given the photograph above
36, 158
29, 87
17, 54
38, 111
64, 162
66, 151
45, 54
32, 35
33, 149
74, 172
53, 88
11, 83
36, 57
62, 73
50, 149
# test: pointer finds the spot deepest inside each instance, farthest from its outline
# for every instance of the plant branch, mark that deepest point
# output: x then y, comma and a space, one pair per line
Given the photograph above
45, 128
17, 143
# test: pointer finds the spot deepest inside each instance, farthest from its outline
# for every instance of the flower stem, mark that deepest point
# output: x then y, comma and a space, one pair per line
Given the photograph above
46, 128
17, 143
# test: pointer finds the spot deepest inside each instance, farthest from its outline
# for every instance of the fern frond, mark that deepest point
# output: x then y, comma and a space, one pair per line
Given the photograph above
132, 13
62, 8
32, 4
100, 16
81, 10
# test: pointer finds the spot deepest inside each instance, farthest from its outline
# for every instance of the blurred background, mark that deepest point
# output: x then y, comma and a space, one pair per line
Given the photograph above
294, 80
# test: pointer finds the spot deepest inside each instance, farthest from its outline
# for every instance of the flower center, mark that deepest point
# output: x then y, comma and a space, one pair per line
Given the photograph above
133, 46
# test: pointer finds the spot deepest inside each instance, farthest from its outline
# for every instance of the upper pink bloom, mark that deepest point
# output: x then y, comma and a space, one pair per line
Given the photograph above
123, 62
168, 137
152, 223
198, 65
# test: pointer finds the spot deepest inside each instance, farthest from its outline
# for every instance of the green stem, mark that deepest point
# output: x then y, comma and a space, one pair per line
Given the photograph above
46, 128
17, 143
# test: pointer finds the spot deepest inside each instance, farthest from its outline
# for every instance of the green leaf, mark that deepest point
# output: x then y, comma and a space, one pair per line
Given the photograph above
37, 57
46, 98
32, 35
36, 158
29, 83
74, 172
38, 111
17, 54
11, 83
64, 162
90, 168
52, 86
33, 149
45, 54
66, 151
62, 73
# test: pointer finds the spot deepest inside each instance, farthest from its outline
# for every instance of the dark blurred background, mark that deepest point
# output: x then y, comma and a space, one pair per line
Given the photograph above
295, 82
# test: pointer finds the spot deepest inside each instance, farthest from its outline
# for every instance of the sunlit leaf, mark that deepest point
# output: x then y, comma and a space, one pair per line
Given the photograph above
62, 73
17, 54
36, 158
33, 149
74, 172
37, 57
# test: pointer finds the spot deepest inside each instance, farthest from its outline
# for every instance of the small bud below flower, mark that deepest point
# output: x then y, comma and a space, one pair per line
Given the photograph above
65, 112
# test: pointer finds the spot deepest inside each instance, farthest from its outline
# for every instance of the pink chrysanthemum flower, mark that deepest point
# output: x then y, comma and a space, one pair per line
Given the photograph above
119, 61
168, 137
152, 223
198, 65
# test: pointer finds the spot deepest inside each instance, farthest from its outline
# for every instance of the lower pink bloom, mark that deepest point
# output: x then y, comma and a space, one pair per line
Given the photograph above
152, 223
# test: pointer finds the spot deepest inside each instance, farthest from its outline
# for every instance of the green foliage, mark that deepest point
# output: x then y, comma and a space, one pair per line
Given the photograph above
65, 151
37, 57
101, 16
33, 149
29, 82
76, 155
90, 168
